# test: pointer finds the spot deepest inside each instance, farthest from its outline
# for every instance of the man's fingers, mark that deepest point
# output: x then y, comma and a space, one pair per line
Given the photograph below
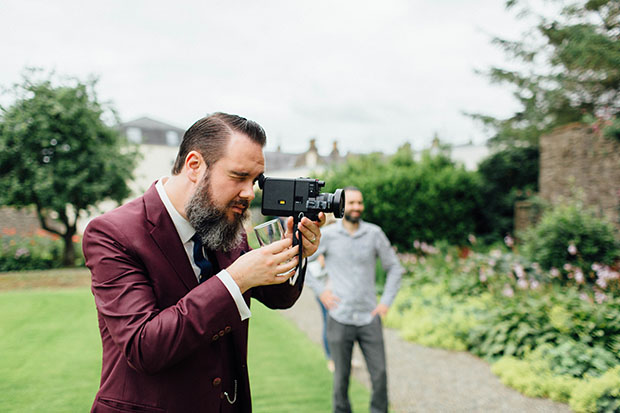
287, 269
278, 246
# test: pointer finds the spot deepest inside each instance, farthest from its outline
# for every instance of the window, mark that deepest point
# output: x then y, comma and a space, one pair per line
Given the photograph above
134, 135
172, 138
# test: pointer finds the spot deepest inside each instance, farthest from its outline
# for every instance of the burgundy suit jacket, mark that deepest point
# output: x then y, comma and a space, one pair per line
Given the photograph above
169, 344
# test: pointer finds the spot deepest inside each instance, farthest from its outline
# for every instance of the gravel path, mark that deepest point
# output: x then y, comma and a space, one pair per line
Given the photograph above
422, 379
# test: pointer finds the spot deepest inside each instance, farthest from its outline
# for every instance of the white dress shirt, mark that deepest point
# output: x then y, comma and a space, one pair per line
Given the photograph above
186, 232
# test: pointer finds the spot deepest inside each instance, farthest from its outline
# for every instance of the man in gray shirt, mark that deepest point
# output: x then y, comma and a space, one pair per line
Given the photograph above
351, 248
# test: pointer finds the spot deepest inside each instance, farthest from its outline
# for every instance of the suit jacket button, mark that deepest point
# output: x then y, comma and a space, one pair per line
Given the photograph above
215, 337
221, 333
217, 381
227, 329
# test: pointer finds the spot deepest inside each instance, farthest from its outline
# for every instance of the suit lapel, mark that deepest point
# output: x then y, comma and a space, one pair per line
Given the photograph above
167, 238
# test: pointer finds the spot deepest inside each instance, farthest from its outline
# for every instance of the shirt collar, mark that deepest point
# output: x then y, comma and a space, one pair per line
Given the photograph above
183, 227
360, 230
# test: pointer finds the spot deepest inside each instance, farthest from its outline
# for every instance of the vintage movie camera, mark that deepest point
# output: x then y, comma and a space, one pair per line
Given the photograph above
298, 198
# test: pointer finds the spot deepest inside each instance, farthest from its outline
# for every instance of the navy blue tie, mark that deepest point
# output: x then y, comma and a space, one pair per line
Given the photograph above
206, 269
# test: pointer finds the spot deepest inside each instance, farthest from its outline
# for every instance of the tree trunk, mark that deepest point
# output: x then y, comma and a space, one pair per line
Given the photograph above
68, 258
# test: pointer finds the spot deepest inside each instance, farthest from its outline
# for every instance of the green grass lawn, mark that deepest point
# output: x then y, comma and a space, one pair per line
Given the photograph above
50, 357
50, 352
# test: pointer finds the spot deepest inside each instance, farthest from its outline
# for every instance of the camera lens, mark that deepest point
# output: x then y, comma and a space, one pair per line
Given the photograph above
337, 204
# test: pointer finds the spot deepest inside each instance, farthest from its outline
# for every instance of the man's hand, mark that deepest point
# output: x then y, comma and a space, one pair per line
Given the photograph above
381, 309
329, 300
310, 233
262, 266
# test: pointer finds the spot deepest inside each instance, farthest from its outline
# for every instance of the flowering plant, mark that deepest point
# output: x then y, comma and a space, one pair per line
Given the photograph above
37, 251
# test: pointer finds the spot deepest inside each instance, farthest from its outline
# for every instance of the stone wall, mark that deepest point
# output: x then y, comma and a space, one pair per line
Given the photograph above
574, 158
18, 221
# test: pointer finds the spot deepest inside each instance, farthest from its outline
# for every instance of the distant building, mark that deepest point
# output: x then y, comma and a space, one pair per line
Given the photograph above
295, 165
469, 154
158, 142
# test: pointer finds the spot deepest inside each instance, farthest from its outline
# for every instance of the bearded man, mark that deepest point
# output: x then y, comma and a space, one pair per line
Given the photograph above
172, 277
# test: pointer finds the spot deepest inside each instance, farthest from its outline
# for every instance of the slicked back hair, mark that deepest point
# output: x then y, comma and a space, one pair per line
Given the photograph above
209, 136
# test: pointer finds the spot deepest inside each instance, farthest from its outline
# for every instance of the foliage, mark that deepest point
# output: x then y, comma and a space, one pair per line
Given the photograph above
601, 394
431, 199
568, 66
576, 358
57, 153
428, 317
569, 237
36, 252
507, 175
534, 379
545, 336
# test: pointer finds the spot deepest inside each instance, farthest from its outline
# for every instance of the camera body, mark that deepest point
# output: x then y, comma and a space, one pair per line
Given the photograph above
293, 197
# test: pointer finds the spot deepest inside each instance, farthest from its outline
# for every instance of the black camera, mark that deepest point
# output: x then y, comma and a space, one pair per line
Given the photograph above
298, 198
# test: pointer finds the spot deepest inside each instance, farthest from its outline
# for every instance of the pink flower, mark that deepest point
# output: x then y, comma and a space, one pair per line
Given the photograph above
22, 252
471, 238
599, 297
554, 272
509, 241
579, 278
416, 244
482, 277
534, 285
519, 271
508, 291
601, 282
523, 284
572, 249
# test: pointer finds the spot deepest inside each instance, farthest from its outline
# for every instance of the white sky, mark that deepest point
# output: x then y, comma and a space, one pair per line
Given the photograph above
372, 75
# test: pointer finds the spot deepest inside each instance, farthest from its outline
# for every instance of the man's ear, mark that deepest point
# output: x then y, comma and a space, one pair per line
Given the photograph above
194, 166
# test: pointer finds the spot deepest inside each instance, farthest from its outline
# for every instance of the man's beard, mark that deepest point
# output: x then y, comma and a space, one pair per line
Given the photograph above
353, 220
211, 222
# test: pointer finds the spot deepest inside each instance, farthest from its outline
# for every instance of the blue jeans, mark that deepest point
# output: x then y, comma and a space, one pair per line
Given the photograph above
324, 315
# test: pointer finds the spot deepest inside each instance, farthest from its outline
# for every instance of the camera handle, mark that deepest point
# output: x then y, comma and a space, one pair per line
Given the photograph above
301, 271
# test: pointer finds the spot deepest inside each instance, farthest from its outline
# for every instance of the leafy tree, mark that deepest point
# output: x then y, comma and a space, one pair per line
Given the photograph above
58, 155
570, 69
507, 175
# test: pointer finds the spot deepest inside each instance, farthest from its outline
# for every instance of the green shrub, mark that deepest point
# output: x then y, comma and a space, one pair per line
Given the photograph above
432, 318
546, 339
601, 394
534, 379
507, 176
570, 234
512, 328
577, 359
431, 199
35, 252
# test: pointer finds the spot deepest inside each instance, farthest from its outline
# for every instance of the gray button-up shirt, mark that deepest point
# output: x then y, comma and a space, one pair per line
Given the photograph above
350, 262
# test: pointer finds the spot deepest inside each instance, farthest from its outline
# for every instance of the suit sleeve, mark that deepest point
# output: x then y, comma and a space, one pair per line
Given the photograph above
151, 338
